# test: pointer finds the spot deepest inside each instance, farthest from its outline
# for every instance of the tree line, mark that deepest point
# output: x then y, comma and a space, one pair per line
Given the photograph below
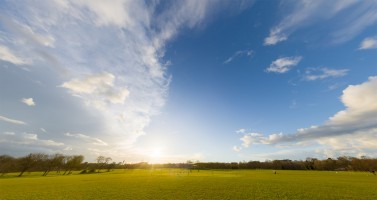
65, 164
342, 163
45, 163
58, 163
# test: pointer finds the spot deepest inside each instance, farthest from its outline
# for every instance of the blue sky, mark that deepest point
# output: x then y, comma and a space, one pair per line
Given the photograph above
170, 81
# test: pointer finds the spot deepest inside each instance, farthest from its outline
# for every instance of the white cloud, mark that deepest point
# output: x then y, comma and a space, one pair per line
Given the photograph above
283, 65
30, 136
92, 140
68, 148
7, 55
98, 86
246, 140
91, 83
51, 143
237, 54
28, 101
13, 121
237, 148
357, 144
275, 37
119, 12
43, 130
369, 43
354, 128
242, 130
252, 138
313, 74
9, 133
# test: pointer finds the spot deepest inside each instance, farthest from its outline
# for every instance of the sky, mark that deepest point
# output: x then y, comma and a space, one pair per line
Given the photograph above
201, 80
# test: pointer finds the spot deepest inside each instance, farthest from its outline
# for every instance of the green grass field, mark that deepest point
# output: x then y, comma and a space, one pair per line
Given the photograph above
178, 184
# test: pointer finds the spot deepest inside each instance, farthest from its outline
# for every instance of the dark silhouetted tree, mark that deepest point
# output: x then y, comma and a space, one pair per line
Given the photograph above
7, 164
53, 162
72, 162
28, 162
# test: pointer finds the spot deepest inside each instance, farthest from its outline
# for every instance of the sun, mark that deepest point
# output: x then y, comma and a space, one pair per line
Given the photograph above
156, 153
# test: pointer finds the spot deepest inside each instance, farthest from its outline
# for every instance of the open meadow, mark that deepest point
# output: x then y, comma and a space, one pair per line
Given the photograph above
180, 184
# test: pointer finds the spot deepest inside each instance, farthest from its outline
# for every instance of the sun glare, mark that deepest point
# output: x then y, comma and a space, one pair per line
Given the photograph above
156, 153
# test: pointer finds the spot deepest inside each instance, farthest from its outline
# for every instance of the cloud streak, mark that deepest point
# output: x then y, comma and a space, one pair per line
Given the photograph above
283, 65
237, 54
313, 74
12, 121
300, 14
27, 139
7, 55
275, 37
91, 140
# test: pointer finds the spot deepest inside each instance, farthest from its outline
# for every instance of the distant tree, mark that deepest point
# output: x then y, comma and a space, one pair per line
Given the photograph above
42, 163
277, 164
111, 166
343, 163
53, 162
72, 162
58, 162
329, 164
28, 162
309, 163
103, 162
100, 162
7, 164
108, 159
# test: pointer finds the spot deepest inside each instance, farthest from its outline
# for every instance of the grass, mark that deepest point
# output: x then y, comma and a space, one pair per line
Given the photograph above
179, 184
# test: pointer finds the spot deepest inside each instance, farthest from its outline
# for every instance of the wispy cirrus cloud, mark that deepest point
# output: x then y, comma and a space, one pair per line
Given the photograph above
91, 140
12, 121
275, 37
27, 142
27, 139
362, 15
300, 14
237, 54
312, 74
354, 127
24, 34
283, 65
7, 55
